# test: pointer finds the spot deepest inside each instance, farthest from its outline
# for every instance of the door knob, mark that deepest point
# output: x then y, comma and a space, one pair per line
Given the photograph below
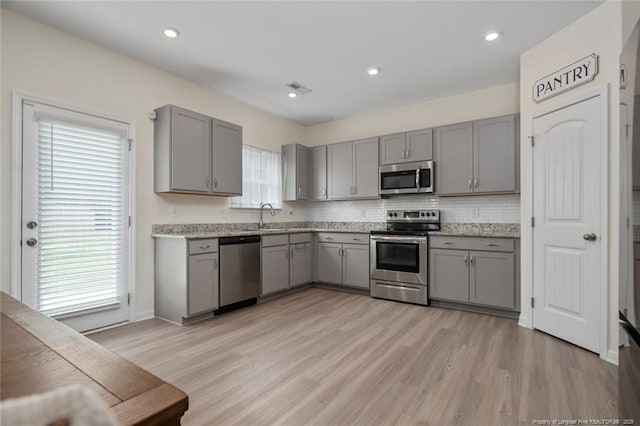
31, 242
589, 237
32, 225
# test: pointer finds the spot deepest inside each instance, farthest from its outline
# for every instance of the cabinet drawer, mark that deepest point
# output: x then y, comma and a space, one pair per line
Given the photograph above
275, 240
343, 238
300, 238
203, 246
473, 243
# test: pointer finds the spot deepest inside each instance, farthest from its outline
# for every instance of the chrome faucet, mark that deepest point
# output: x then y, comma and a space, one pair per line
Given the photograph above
273, 213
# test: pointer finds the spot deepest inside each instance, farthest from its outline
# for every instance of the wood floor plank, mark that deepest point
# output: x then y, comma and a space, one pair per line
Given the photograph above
325, 357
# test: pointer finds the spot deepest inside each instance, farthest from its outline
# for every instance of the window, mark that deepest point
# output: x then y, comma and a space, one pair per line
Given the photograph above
261, 179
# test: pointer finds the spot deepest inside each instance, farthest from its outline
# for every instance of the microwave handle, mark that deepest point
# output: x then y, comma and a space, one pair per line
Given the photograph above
418, 178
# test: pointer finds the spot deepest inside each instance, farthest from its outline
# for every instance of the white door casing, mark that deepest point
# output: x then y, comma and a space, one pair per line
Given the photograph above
567, 206
31, 113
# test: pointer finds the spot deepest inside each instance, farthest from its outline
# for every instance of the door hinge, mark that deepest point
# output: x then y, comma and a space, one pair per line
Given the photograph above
533, 221
128, 298
129, 221
627, 222
628, 126
533, 303
130, 143
531, 139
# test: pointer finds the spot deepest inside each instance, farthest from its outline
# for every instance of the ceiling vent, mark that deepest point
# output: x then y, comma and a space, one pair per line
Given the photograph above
299, 88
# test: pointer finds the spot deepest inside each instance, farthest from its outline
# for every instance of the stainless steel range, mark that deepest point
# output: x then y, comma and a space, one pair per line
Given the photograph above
399, 256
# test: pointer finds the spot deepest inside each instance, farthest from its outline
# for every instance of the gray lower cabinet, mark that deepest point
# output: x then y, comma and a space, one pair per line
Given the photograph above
477, 157
186, 278
406, 147
477, 271
286, 261
352, 169
343, 262
318, 173
295, 164
194, 153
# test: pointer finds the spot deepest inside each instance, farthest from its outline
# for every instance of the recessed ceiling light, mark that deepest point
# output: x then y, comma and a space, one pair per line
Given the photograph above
171, 32
293, 95
491, 36
373, 71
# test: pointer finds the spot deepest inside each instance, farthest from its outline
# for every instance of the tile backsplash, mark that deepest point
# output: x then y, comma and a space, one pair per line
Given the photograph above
475, 209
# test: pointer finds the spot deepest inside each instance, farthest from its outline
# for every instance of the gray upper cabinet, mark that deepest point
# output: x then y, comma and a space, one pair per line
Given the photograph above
406, 147
494, 155
227, 158
196, 154
392, 148
340, 170
454, 159
318, 173
182, 151
352, 169
477, 157
295, 162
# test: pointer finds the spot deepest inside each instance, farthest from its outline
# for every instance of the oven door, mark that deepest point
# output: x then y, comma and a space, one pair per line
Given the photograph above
399, 258
398, 180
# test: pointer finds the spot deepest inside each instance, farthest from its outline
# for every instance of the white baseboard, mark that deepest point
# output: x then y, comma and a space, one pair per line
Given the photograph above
611, 356
141, 316
522, 321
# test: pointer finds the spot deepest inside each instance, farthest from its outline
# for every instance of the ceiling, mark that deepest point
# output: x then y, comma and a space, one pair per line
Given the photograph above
250, 50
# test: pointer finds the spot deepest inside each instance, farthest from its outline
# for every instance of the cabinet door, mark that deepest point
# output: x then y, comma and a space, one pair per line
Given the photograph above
329, 263
494, 155
340, 170
227, 158
319, 173
365, 168
355, 265
302, 161
420, 145
190, 151
203, 283
275, 269
454, 159
300, 264
449, 275
492, 279
288, 159
392, 148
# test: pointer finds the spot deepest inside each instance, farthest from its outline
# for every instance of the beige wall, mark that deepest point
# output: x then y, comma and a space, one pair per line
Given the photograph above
46, 62
596, 32
491, 102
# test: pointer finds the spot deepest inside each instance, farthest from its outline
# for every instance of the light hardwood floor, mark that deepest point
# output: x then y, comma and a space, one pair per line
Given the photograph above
325, 357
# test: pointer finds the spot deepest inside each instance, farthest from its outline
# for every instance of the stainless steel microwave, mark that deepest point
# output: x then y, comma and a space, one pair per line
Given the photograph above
407, 178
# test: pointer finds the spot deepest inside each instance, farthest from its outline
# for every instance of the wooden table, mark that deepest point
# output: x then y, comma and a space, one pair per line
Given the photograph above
39, 354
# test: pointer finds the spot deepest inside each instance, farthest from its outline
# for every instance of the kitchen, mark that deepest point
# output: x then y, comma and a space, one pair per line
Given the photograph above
271, 131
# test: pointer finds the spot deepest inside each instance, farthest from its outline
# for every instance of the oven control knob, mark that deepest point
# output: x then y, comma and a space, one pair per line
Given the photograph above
422, 214
433, 213
395, 215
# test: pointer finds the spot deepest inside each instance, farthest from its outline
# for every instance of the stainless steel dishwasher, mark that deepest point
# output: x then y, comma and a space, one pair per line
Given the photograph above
239, 271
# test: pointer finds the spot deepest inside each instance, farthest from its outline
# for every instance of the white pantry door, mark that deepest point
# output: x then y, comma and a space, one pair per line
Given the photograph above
75, 214
566, 236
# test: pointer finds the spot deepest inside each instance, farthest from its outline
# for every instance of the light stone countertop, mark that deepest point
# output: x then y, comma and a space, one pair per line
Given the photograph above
216, 230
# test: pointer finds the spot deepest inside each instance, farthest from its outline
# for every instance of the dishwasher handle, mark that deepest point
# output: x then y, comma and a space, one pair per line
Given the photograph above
247, 239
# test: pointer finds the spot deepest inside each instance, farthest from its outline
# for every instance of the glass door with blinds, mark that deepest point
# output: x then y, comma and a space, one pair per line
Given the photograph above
75, 216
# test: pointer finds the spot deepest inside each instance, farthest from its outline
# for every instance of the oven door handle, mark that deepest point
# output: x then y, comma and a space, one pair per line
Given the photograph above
400, 238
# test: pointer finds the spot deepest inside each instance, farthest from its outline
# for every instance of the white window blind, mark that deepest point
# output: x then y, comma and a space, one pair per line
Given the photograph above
261, 178
81, 215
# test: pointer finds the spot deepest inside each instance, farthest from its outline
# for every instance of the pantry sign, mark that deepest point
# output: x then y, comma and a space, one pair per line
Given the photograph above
580, 72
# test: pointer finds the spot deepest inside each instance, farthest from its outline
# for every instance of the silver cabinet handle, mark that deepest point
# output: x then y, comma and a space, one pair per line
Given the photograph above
324, 192
206, 246
447, 243
466, 260
475, 183
344, 253
407, 154
291, 252
588, 237
492, 245
470, 183
357, 239
471, 260
328, 238
299, 191
206, 181
339, 252
215, 264
31, 242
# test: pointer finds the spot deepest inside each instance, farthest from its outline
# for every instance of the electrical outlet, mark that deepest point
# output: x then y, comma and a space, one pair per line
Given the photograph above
364, 213
475, 212
290, 211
